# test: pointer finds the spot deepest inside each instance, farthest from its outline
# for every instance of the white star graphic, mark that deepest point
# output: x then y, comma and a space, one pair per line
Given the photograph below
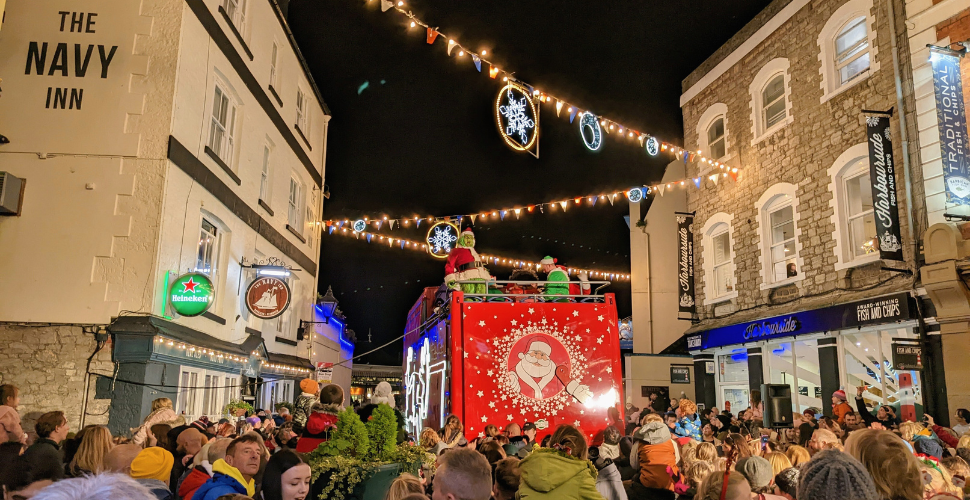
609, 369
482, 323
491, 404
484, 419
578, 338
504, 397
599, 340
514, 322
588, 330
490, 372
481, 394
544, 321
582, 412
508, 417
576, 423
496, 317
575, 313
466, 354
600, 317
481, 434
532, 311
522, 411
554, 412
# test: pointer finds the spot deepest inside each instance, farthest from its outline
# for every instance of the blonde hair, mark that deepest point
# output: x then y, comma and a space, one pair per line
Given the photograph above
698, 472
964, 441
706, 452
429, 438
491, 431
687, 407
894, 469
161, 403
94, 447
688, 453
404, 485
651, 417
710, 488
778, 461
942, 481
909, 429
798, 455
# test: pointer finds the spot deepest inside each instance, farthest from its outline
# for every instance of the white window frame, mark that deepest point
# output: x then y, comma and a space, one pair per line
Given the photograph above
295, 203
768, 199
767, 73
274, 66
831, 82
237, 14
266, 173
849, 164
225, 147
220, 262
715, 111
214, 249
302, 112
195, 399
717, 225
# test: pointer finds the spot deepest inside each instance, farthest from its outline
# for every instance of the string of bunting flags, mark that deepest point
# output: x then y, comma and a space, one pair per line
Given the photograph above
634, 194
517, 106
438, 246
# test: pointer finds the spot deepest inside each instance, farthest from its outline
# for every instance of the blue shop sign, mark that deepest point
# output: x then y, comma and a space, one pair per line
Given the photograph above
886, 309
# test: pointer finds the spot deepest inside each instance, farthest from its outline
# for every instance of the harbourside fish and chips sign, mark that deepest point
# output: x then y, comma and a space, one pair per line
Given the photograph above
882, 175
952, 119
886, 309
685, 263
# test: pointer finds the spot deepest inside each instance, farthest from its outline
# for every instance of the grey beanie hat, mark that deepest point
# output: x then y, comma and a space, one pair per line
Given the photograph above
832, 474
653, 433
756, 470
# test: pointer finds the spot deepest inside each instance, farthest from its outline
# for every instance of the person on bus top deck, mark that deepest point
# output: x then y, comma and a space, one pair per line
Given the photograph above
464, 264
557, 273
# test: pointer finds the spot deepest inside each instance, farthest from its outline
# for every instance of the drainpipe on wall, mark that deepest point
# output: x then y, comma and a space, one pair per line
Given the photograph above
903, 133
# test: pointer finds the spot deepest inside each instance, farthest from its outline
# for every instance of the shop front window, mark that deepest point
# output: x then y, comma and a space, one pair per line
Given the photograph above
868, 362
796, 365
733, 380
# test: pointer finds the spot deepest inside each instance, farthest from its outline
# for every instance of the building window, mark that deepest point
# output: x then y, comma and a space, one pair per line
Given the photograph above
853, 215
273, 74
264, 175
712, 132
778, 232
715, 138
723, 279
295, 213
847, 47
208, 254
852, 50
861, 221
770, 99
302, 120
773, 101
222, 126
718, 255
236, 10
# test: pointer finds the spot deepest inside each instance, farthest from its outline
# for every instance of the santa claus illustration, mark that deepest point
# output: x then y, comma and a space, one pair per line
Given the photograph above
536, 369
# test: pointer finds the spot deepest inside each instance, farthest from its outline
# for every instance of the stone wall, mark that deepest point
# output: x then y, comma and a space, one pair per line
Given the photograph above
47, 363
801, 154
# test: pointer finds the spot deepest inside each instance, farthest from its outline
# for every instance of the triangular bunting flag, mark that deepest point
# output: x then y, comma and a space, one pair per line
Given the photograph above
564, 205
340, 224
402, 244
734, 175
572, 114
378, 224
451, 46
478, 62
558, 107
392, 224
331, 228
473, 218
714, 179
386, 5
369, 236
593, 202
685, 157
662, 189
503, 214
692, 156
612, 197
418, 222
697, 181
432, 34
492, 71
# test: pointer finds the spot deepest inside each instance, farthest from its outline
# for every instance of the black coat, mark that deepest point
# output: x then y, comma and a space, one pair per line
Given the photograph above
45, 459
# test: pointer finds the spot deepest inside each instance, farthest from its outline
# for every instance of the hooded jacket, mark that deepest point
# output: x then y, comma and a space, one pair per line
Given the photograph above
159, 416
304, 404
192, 482
10, 429
550, 474
225, 480
688, 427
609, 483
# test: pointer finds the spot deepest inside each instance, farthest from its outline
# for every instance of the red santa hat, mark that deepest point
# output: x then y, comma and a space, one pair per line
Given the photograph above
468, 231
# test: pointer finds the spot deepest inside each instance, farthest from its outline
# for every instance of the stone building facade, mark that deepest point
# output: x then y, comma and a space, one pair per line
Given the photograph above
793, 236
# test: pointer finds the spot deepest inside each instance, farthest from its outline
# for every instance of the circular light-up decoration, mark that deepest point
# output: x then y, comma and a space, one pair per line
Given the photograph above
652, 145
360, 225
191, 294
591, 131
516, 117
441, 239
635, 195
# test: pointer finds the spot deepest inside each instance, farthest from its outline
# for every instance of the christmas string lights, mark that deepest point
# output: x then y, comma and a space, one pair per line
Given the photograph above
220, 356
651, 144
489, 259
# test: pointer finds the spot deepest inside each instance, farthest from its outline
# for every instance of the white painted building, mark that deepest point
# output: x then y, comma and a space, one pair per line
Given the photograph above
158, 138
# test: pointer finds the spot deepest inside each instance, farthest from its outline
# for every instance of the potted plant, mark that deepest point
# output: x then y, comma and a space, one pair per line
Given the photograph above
285, 404
238, 408
359, 461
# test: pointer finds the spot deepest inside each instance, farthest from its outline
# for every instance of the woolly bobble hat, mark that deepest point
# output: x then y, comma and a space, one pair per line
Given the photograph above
840, 394
309, 386
653, 433
833, 475
756, 470
152, 463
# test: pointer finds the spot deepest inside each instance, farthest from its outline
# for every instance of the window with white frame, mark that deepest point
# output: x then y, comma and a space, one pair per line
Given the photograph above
236, 10
853, 209
264, 175
716, 144
295, 202
723, 277
860, 219
780, 220
222, 125
205, 392
770, 99
302, 118
847, 47
712, 132
852, 50
718, 258
207, 258
273, 72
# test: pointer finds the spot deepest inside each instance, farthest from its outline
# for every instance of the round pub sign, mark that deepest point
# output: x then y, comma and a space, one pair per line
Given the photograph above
191, 294
267, 297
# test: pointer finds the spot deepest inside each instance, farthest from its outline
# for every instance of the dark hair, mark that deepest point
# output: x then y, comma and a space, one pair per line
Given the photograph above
626, 445
279, 463
569, 435
48, 423
805, 432
161, 434
15, 470
670, 414
332, 394
493, 452
507, 475
8, 391
245, 438
964, 414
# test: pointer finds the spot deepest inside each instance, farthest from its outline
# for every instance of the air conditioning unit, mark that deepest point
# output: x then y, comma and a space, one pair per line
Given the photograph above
11, 194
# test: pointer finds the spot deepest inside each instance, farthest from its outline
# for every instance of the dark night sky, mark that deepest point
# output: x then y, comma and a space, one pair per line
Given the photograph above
421, 138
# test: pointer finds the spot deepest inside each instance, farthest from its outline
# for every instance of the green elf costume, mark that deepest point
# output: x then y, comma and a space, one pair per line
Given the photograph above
559, 279
464, 264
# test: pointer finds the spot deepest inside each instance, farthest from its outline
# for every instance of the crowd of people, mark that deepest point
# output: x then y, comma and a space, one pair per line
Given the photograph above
654, 453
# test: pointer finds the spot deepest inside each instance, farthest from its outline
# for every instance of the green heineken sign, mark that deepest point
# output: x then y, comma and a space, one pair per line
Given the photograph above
191, 294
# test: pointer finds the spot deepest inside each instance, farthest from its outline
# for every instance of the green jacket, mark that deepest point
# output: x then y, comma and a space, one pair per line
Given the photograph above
549, 474
557, 288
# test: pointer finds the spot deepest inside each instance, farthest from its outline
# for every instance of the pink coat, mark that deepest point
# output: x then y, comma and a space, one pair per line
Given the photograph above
10, 429
160, 416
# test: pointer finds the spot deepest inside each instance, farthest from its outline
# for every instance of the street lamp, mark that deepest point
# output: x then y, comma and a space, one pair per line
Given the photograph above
327, 305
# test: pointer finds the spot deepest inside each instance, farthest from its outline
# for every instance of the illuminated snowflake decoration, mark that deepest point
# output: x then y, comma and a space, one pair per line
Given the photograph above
652, 145
441, 239
635, 195
507, 390
872, 121
519, 116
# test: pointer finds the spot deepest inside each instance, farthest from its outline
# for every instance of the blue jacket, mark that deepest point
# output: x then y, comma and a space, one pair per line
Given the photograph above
689, 428
225, 480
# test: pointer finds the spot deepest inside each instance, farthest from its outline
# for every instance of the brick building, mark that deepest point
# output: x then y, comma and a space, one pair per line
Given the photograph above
787, 263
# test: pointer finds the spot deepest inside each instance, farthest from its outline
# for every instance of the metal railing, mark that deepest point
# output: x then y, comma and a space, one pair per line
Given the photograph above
539, 295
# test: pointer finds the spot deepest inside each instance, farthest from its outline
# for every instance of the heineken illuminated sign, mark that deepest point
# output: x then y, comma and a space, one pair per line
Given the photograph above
191, 294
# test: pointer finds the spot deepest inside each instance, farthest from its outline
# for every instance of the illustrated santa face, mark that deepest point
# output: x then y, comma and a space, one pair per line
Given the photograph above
533, 363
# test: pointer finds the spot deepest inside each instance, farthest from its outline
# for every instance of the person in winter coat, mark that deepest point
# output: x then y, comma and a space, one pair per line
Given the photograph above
608, 481
201, 470
304, 403
839, 406
688, 421
286, 477
152, 468
453, 432
10, 429
655, 456
562, 472
322, 419
883, 415
45, 456
234, 474
162, 413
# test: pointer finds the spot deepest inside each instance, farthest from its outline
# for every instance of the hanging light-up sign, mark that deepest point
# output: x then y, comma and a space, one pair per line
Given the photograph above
591, 131
267, 297
360, 225
441, 238
652, 145
191, 294
635, 195
517, 117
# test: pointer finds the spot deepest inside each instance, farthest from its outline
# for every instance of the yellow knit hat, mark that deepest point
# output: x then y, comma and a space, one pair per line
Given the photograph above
309, 386
152, 463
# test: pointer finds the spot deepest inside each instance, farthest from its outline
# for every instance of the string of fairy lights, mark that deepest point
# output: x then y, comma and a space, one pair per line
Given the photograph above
651, 143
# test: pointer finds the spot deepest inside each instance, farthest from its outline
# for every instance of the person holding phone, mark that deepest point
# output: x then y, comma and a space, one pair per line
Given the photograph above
883, 415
